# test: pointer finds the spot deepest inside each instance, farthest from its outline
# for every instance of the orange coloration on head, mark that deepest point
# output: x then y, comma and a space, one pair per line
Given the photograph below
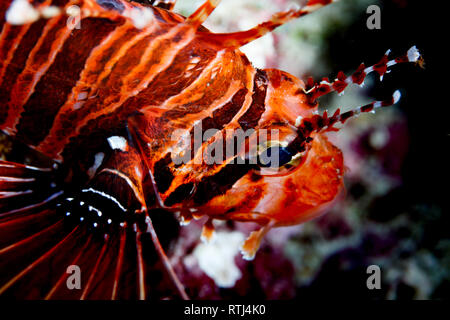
298, 193
287, 200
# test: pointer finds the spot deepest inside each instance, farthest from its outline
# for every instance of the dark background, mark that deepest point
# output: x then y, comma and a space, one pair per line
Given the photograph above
423, 196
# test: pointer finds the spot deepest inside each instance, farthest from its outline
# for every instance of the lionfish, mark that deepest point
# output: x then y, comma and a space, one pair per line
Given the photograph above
98, 88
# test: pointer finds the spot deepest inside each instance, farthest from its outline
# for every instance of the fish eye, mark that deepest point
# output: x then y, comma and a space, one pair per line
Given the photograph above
276, 156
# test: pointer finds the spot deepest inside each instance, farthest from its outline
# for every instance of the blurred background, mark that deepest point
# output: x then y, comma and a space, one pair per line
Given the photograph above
393, 213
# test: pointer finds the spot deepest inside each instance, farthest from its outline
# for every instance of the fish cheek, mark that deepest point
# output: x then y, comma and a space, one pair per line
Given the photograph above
310, 189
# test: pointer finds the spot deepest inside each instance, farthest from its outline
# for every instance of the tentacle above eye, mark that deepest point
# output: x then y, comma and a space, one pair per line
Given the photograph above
342, 81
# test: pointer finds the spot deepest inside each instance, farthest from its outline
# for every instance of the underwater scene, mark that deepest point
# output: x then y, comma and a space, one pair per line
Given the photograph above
260, 150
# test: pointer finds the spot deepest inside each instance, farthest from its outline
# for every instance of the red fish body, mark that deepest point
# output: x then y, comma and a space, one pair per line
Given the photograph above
115, 100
